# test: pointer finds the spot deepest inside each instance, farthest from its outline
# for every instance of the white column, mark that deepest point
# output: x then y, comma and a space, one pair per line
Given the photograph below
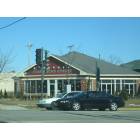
111, 87
120, 85
129, 89
101, 87
48, 87
114, 86
56, 90
133, 90
24, 87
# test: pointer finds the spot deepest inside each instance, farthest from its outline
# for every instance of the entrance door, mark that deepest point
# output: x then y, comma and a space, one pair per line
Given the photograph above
52, 90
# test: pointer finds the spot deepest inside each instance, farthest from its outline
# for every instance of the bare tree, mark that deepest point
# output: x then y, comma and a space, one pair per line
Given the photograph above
114, 60
5, 60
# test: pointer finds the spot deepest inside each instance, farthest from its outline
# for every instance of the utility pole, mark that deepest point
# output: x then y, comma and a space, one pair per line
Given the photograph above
29, 46
41, 62
42, 72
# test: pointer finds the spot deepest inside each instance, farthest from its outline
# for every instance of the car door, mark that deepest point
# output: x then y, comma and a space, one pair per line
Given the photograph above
85, 101
102, 100
90, 100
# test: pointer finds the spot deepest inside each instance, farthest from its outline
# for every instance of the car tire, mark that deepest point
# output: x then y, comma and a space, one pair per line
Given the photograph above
76, 106
113, 106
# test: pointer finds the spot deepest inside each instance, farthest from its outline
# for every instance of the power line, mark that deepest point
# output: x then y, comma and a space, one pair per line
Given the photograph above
12, 23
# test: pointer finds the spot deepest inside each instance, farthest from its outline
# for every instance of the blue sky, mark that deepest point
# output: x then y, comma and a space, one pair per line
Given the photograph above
119, 37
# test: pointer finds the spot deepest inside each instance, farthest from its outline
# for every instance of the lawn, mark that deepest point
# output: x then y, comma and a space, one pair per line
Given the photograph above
19, 102
132, 101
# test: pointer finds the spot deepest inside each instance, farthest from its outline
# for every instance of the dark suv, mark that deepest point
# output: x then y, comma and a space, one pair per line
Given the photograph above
90, 100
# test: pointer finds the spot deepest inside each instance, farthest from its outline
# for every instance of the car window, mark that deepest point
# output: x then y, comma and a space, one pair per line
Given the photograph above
71, 94
103, 94
91, 95
60, 95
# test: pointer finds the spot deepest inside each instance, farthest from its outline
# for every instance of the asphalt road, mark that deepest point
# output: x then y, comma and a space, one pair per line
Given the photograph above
44, 116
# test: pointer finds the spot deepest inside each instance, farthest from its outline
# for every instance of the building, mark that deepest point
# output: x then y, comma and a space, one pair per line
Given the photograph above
7, 83
78, 70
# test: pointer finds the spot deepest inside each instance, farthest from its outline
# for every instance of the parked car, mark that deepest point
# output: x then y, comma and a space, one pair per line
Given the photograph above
46, 102
90, 100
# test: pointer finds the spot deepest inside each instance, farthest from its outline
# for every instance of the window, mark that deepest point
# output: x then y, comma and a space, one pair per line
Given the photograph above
45, 86
78, 85
91, 95
27, 84
72, 85
60, 88
32, 86
38, 86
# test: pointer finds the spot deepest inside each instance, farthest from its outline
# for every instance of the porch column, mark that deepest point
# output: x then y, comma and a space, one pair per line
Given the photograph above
111, 87
48, 87
56, 90
24, 87
114, 86
101, 86
120, 85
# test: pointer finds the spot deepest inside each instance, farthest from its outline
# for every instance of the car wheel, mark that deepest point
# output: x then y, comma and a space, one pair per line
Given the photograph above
113, 106
76, 106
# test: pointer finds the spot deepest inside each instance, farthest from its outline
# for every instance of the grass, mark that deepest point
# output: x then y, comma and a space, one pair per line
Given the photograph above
132, 101
19, 102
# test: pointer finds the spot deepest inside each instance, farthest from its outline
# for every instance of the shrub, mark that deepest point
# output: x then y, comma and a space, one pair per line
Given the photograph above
138, 92
5, 94
124, 94
1, 95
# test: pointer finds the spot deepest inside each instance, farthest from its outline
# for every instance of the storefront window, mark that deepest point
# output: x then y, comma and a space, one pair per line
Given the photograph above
78, 85
45, 86
38, 86
27, 83
72, 85
60, 88
32, 86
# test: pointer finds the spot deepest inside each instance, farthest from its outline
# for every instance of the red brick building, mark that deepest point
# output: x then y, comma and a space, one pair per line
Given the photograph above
78, 70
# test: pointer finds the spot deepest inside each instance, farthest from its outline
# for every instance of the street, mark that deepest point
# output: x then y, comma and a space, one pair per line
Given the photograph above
45, 116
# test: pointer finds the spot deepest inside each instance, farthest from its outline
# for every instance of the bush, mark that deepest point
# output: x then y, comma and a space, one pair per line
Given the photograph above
124, 94
138, 92
1, 95
5, 94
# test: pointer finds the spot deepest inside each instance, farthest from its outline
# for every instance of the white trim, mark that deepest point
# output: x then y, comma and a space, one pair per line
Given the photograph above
120, 74
59, 78
120, 78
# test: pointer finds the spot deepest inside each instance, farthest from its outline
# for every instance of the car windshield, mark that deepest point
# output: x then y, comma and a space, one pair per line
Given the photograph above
72, 94
60, 95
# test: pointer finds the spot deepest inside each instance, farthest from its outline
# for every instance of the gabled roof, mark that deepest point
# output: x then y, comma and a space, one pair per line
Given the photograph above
88, 64
135, 65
